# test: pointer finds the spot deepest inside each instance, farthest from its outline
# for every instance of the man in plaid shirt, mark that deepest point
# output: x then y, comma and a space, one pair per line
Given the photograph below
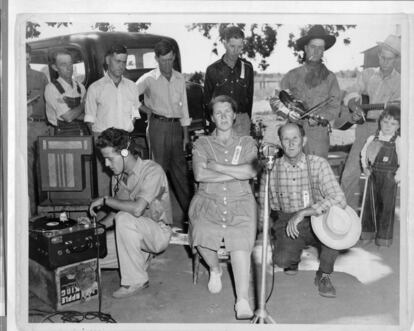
294, 199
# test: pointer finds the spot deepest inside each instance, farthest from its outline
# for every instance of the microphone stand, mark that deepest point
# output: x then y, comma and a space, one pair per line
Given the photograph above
261, 315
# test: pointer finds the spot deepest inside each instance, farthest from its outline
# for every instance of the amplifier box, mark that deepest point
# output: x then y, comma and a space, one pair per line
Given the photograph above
64, 286
67, 173
54, 243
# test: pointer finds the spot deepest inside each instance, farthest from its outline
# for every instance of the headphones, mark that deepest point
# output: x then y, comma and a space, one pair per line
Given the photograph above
125, 151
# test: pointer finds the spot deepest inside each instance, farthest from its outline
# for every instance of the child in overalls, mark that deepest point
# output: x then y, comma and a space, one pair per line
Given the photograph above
380, 158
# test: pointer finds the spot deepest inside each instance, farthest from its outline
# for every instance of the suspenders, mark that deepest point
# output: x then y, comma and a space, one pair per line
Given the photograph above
60, 88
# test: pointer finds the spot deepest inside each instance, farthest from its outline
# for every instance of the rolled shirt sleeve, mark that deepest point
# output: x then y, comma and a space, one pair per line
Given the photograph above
199, 152
185, 120
55, 105
355, 91
329, 188
250, 149
149, 189
90, 105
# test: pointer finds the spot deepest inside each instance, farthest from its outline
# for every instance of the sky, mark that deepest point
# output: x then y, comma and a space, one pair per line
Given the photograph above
196, 52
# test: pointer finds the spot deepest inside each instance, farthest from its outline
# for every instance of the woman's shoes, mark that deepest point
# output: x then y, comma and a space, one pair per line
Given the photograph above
243, 310
214, 283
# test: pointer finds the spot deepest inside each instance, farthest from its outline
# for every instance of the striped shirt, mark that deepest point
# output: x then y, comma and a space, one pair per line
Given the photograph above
290, 189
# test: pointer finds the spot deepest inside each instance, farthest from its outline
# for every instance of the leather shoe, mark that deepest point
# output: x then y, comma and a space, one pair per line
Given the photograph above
291, 271
325, 286
128, 290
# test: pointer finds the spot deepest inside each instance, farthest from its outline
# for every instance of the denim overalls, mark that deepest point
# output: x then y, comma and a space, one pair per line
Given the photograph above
379, 209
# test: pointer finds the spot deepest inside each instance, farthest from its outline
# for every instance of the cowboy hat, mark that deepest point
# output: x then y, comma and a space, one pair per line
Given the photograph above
338, 228
392, 43
316, 32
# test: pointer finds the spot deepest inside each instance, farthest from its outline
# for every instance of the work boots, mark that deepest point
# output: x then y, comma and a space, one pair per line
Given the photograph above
324, 284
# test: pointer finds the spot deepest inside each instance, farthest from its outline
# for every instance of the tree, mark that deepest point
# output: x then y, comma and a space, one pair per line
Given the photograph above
258, 44
103, 26
32, 28
335, 30
197, 77
261, 39
137, 27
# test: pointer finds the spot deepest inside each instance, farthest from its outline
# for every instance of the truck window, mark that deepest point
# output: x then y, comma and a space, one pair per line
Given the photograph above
44, 68
140, 58
79, 72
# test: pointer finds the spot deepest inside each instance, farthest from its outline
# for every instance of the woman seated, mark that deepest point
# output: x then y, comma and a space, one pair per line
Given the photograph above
224, 208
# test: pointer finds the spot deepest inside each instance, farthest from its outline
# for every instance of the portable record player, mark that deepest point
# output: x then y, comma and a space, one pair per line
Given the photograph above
54, 242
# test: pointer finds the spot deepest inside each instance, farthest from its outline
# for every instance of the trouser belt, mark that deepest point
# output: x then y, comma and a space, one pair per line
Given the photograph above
163, 118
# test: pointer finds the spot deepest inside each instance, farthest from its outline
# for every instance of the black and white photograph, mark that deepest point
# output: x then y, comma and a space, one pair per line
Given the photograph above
217, 167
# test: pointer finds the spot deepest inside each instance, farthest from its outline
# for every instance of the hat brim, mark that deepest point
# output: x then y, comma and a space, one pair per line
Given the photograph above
390, 48
329, 41
332, 240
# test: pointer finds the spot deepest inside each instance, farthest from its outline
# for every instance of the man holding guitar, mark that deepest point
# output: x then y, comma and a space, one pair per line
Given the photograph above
382, 85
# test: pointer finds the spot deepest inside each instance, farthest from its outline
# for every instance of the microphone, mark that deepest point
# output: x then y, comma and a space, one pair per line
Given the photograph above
269, 152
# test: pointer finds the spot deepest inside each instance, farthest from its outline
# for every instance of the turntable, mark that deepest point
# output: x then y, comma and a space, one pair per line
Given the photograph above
55, 243
49, 226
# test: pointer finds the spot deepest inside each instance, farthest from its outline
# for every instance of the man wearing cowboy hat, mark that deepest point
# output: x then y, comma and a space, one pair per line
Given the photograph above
381, 85
302, 186
313, 83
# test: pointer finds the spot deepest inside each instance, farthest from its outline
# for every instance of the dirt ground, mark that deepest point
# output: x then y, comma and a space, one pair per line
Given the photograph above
366, 279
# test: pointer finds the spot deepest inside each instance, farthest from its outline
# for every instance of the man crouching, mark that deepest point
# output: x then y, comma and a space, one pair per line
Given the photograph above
140, 206
302, 186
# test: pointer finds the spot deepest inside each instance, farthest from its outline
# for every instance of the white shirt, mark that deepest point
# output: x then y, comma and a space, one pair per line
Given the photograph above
55, 106
379, 89
110, 106
166, 98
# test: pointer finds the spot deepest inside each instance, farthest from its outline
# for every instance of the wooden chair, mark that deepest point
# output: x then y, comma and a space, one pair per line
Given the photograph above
180, 238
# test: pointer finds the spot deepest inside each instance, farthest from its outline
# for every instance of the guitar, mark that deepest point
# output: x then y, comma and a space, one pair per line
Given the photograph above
361, 110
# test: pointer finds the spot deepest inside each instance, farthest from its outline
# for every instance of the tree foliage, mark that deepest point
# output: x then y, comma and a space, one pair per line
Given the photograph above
103, 26
259, 43
197, 77
335, 30
261, 39
137, 27
32, 28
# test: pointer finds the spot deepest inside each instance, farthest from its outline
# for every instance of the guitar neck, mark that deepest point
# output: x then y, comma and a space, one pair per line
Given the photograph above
373, 106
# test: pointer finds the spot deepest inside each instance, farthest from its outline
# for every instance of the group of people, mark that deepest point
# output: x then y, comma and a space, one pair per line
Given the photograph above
223, 210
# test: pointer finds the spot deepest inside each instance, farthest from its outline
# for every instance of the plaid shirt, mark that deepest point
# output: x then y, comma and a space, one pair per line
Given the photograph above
290, 189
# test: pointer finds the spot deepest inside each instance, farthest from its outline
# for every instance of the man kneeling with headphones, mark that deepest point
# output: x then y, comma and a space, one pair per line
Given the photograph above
140, 208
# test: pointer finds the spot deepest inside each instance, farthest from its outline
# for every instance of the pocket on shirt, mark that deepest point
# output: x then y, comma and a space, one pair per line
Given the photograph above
177, 98
241, 82
221, 82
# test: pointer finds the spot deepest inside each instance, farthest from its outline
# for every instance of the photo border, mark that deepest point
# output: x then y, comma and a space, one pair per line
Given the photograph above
247, 11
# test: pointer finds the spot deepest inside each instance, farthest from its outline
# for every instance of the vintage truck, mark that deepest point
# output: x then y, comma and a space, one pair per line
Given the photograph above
88, 50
